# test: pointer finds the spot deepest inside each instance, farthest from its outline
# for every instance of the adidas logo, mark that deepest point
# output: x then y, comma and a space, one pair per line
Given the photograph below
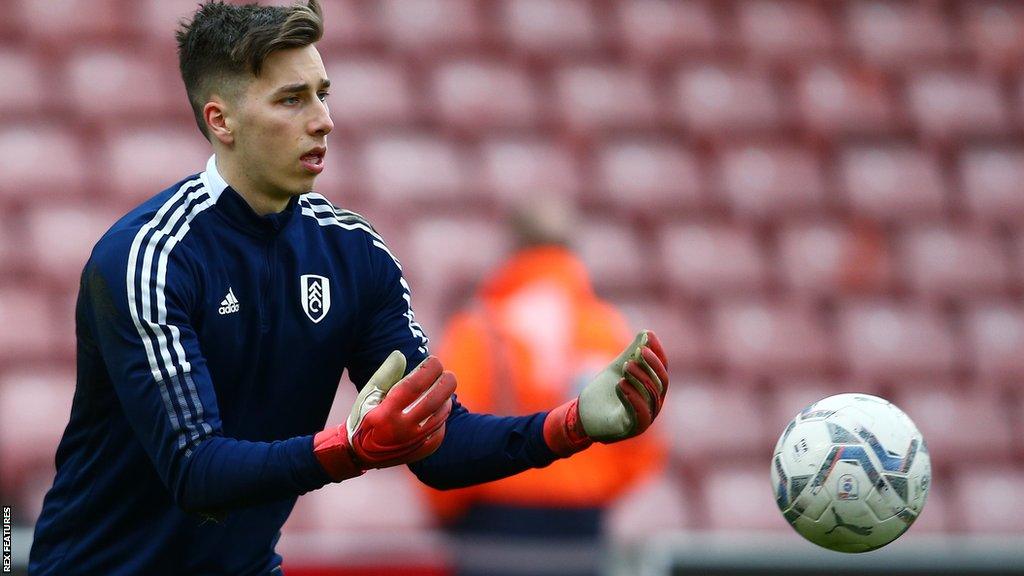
229, 304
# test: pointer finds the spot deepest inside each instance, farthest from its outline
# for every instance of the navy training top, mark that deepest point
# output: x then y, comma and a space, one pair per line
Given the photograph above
211, 341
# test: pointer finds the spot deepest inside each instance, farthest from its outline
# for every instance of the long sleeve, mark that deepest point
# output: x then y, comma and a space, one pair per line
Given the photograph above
138, 297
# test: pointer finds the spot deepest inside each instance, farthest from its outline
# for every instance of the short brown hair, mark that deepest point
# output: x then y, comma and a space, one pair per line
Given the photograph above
225, 43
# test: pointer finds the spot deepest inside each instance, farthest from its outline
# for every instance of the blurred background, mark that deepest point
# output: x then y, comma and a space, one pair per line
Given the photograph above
801, 198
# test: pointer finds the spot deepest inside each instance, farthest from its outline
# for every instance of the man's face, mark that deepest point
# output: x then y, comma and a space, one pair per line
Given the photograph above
281, 124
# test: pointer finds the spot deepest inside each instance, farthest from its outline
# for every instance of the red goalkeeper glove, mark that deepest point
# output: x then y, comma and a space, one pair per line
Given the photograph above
621, 402
394, 420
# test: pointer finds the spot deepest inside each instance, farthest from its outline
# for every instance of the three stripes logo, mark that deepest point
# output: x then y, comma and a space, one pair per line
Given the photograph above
229, 305
316, 296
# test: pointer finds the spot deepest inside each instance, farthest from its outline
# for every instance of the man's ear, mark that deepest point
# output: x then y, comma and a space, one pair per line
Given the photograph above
218, 124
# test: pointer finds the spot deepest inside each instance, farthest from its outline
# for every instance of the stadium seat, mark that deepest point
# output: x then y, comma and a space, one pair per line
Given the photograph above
34, 409
340, 180
40, 161
429, 23
550, 27
386, 499
66, 22
143, 159
689, 348
960, 425
652, 507
700, 421
347, 23
463, 246
412, 167
769, 181
738, 497
836, 99
647, 176
60, 257
826, 258
661, 30
939, 512
897, 33
995, 334
368, 92
790, 395
104, 84
881, 339
992, 179
992, 30
24, 93
947, 261
512, 169
30, 311
989, 499
945, 104
890, 182
595, 97
609, 247
711, 99
479, 94
712, 260
757, 337
789, 29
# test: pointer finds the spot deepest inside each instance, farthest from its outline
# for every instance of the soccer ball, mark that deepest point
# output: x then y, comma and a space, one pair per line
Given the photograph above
851, 472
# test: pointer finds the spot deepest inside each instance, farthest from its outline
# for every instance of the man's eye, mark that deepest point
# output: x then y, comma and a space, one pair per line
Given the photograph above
323, 96
291, 100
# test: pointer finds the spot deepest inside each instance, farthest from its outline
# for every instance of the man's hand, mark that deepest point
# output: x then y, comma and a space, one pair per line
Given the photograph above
394, 420
621, 402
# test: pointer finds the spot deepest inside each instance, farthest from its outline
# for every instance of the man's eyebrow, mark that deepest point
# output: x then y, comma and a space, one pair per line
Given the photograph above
301, 87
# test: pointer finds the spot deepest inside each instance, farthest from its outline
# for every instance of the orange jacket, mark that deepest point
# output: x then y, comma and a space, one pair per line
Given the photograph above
536, 336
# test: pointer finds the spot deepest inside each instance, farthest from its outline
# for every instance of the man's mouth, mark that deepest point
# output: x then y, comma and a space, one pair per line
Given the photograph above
314, 160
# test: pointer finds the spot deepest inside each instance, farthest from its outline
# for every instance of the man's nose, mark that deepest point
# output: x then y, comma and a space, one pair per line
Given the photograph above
321, 124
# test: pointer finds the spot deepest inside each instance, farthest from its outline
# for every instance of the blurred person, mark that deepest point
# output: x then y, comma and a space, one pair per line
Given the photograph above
533, 336
215, 320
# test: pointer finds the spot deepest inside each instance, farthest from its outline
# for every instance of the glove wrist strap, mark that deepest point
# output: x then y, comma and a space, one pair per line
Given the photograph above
563, 430
334, 452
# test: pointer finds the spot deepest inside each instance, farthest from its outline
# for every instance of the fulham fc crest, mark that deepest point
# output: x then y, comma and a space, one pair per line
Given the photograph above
316, 296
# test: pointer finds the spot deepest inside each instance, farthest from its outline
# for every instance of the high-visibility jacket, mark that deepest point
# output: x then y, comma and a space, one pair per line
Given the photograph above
533, 339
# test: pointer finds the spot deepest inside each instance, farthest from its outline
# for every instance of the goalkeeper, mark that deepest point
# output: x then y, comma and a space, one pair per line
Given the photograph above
215, 320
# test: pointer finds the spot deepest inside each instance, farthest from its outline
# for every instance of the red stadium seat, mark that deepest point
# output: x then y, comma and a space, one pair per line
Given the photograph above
821, 259
700, 422
939, 514
992, 183
40, 161
609, 247
31, 313
989, 499
711, 99
429, 23
109, 84
888, 182
791, 395
958, 424
67, 21
646, 175
34, 408
995, 333
884, 340
60, 257
404, 167
385, 500
664, 29
689, 346
368, 92
23, 92
948, 104
654, 506
758, 337
836, 99
786, 29
595, 97
550, 27
897, 33
347, 22
762, 181
992, 30
512, 169
712, 259
444, 250
738, 497
954, 261
144, 159
478, 94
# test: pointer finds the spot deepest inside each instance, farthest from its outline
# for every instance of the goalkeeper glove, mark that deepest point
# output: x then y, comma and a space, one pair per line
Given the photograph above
621, 402
394, 420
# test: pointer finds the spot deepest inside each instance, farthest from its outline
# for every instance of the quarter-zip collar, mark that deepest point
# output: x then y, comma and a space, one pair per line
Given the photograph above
233, 208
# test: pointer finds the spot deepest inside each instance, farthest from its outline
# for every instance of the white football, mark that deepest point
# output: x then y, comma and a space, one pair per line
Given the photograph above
851, 472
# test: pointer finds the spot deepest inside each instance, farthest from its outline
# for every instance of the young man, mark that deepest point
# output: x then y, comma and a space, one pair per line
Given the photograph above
215, 320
